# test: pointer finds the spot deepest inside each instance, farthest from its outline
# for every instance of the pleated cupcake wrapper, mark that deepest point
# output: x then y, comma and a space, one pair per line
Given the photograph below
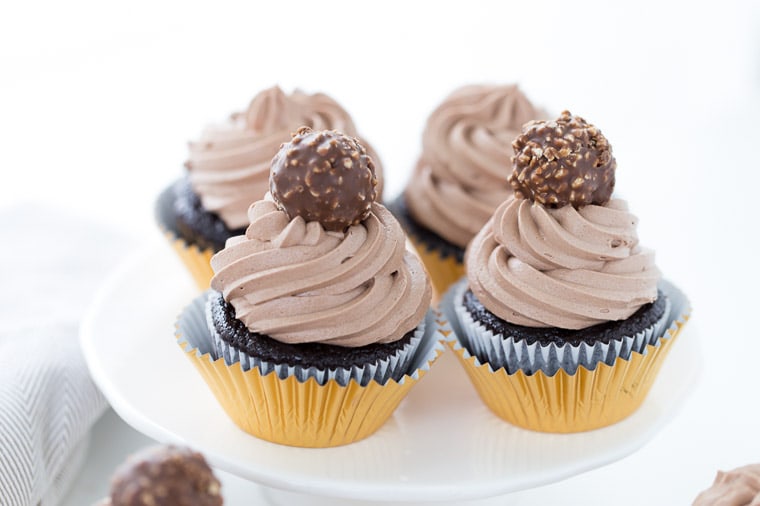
443, 271
394, 367
196, 260
517, 354
294, 412
586, 399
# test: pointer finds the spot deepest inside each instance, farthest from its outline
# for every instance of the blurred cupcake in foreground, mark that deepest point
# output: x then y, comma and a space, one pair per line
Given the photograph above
318, 320
738, 487
563, 320
461, 176
228, 170
164, 476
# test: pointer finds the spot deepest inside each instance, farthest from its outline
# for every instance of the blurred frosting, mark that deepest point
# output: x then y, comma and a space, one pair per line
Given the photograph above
461, 176
297, 283
568, 268
740, 487
229, 164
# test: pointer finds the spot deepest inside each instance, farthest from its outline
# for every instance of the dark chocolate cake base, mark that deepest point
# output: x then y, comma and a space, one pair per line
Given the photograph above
179, 210
322, 356
647, 316
431, 240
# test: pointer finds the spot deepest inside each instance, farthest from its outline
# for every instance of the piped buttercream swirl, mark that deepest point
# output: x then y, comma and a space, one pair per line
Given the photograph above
567, 268
228, 165
461, 177
297, 283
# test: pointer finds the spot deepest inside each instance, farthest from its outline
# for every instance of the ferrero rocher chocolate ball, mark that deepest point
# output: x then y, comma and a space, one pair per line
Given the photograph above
561, 162
165, 476
323, 176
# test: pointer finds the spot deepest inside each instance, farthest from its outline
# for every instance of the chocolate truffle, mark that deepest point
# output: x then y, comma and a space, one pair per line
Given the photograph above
561, 162
165, 476
323, 176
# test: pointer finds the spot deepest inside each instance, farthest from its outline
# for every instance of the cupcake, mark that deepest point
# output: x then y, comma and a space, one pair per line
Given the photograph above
164, 476
228, 169
461, 176
317, 322
739, 487
563, 320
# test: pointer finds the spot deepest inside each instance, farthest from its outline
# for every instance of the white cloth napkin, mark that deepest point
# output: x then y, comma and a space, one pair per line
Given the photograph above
51, 263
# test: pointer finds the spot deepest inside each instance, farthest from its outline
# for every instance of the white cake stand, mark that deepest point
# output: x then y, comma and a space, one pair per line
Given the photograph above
442, 444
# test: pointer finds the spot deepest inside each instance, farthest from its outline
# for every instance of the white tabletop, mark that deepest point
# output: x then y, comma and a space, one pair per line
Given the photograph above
98, 102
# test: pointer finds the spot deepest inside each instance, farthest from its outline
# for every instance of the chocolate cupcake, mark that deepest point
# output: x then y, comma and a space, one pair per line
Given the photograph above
228, 169
461, 176
563, 319
318, 311
164, 476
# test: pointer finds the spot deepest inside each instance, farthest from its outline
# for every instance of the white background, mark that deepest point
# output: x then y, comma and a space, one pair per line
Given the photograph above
98, 100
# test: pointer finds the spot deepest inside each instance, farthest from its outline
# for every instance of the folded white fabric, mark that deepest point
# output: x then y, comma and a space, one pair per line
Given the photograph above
51, 263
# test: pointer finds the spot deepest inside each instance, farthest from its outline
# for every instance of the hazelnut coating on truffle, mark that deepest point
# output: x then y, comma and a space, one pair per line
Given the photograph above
165, 476
323, 176
561, 162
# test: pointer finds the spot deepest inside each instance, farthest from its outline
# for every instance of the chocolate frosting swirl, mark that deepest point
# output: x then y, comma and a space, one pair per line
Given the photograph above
296, 282
229, 165
461, 177
567, 268
739, 487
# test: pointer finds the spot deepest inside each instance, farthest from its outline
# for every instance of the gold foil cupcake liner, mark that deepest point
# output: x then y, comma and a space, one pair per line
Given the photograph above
444, 271
196, 260
300, 413
571, 402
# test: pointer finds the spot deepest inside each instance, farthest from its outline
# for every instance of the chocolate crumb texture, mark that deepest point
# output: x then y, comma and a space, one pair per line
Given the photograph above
563, 161
165, 476
324, 176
